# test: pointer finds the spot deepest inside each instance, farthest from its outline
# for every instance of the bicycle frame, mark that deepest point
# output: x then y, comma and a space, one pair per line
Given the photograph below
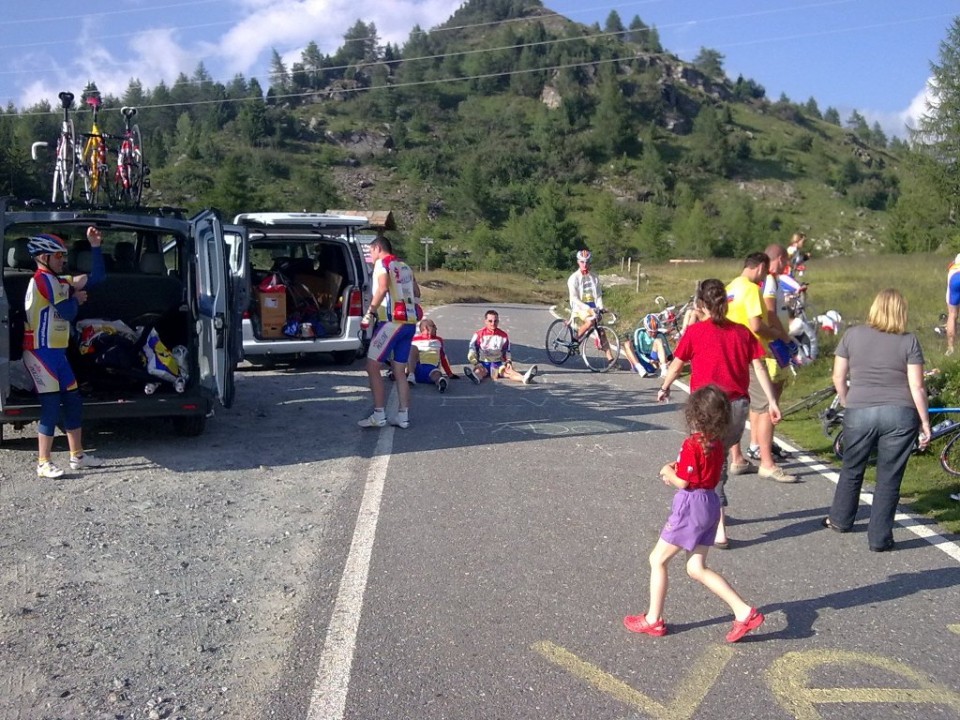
563, 342
65, 162
130, 177
94, 156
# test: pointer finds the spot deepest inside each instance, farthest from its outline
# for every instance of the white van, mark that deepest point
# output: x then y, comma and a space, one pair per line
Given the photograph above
310, 286
168, 278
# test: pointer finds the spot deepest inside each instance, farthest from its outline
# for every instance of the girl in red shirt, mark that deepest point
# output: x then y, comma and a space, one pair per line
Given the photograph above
692, 525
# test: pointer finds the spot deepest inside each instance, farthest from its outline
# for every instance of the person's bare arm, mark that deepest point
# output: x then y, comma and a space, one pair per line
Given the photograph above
840, 368
919, 393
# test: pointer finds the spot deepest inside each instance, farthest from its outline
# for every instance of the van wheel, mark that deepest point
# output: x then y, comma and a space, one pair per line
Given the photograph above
190, 425
344, 357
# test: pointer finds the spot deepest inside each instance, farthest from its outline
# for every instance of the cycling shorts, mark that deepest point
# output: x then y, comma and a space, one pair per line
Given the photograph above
494, 369
50, 370
953, 290
422, 372
392, 341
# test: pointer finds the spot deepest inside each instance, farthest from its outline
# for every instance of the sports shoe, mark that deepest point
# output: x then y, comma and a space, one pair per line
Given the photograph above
739, 468
530, 374
468, 371
373, 421
779, 452
639, 624
49, 470
442, 385
664, 370
776, 474
401, 420
85, 461
740, 628
650, 374
411, 381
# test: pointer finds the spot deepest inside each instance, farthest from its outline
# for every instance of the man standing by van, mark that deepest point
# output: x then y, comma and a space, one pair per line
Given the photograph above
394, 311
51, 304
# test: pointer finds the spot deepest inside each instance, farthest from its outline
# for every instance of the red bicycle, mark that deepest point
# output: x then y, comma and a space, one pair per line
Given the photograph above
130, 177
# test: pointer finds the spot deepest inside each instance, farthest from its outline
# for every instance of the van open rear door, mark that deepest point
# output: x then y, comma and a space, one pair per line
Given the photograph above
5, 309
240, 289
215, 317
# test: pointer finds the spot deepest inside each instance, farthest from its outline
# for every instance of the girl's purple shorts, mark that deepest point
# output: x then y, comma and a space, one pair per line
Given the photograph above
693, 519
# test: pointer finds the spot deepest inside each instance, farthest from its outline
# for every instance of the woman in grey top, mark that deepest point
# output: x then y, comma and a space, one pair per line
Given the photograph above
886, 405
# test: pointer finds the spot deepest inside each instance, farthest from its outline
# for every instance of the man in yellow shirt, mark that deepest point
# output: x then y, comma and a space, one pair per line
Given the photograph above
745, 306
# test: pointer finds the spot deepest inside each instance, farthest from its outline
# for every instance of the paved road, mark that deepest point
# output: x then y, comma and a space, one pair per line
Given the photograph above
479, 564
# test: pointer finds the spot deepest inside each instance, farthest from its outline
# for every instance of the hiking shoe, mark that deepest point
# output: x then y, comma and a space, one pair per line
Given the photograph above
401, 420
776, 474
530, 374
639, 624
85, 461
373, 421
442, 385
754, 620
468, 371
739, 468
49, 470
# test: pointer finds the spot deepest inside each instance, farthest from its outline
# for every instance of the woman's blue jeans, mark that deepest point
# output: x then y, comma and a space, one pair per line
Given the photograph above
891, 430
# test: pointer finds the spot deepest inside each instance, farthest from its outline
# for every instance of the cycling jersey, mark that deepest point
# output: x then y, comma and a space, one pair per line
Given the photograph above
431, 351
953, 282
50, 307
489, 346
585, 293
401, 303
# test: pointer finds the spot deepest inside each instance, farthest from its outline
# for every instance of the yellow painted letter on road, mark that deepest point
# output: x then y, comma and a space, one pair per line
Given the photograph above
689, 693
789, 678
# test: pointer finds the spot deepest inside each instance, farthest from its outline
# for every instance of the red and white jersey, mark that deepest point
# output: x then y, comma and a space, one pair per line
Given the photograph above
431, 351
489, 346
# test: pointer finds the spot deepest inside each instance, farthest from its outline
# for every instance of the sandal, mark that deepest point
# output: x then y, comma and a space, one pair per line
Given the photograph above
725, 545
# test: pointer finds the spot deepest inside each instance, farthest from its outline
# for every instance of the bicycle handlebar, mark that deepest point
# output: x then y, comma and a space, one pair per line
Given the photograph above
39, 144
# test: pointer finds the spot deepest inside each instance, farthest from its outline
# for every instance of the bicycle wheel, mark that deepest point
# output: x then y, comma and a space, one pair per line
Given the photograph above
838, 445
811, 400
950, 456
559, 342
65, 169
597, 357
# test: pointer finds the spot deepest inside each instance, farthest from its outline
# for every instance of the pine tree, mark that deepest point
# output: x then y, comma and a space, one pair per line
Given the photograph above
938, 131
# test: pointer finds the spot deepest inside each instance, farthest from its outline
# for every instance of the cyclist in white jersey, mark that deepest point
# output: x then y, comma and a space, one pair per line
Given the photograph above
586, 297
395, 310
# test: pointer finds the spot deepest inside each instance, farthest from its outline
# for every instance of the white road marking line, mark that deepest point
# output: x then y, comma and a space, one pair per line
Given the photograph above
329, 698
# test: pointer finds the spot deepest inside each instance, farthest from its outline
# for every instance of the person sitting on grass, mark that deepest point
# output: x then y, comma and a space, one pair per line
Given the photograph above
649, 353
489, 354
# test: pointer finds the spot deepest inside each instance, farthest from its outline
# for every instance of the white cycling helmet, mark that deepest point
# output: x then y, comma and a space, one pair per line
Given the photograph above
45, 245
584, 256
651, 323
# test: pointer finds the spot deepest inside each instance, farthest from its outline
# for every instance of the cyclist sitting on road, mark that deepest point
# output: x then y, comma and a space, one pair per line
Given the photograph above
649, 353
586, 298
428, 359
489, 354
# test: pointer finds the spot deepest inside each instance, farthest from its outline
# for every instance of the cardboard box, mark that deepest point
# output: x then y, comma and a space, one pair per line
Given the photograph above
324, 286
273, 313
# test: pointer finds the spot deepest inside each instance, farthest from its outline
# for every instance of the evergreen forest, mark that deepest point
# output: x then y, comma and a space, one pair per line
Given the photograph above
512, 136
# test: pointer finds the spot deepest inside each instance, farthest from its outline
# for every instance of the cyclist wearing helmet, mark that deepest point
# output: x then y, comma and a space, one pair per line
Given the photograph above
586, 297
52, 302
649, 352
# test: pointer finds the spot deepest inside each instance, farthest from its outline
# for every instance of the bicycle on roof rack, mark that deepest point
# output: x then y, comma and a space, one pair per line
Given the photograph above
68, 154
131, 175
93, 158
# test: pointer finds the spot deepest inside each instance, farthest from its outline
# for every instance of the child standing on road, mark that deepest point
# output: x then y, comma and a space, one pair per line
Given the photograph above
692, 525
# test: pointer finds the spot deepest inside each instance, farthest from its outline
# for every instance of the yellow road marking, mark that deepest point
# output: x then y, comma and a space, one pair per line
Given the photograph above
688, 694
789, 677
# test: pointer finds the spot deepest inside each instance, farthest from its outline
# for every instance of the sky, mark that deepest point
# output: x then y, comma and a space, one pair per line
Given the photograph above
872, 56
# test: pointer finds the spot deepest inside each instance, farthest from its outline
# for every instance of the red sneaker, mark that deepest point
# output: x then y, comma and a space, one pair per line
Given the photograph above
639, 624
740, 628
